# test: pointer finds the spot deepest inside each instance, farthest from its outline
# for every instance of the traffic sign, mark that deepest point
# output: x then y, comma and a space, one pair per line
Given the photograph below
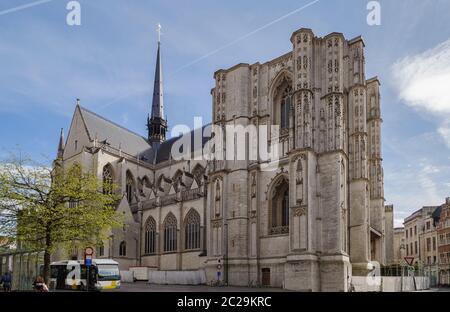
89, 251
409, 260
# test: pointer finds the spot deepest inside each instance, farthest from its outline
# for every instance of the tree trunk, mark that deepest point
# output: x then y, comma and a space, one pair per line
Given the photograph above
46, 266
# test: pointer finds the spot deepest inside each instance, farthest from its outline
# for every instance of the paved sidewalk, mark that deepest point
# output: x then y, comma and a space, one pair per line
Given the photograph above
145, 287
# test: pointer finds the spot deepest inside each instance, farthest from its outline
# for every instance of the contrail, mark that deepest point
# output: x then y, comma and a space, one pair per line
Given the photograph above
245, 36
23, 7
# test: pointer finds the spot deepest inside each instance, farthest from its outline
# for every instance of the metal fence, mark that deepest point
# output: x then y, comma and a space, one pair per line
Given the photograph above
25, 266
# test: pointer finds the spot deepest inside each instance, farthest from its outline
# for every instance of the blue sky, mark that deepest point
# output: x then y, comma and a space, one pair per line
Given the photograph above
108, 62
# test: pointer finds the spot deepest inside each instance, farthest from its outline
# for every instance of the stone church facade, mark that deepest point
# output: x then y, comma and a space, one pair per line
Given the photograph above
310, 223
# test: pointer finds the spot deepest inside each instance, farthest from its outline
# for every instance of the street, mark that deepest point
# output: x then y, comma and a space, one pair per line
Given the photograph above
145, 287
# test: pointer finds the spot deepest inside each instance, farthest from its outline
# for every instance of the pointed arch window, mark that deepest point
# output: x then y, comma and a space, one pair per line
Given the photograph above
279, 204
285, 108
101, 250
129, 188
192, 230
123, 249
170, 233
107, 179
150, 236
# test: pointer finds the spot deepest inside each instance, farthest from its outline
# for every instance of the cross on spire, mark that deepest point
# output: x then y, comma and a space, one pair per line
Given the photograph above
156, 123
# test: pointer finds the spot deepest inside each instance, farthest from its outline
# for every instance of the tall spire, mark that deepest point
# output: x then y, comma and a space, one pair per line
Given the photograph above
61, 145
156, 124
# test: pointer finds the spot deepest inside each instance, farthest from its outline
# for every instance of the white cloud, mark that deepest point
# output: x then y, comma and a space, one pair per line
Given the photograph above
444, 131
424, 79
398, 222
423, 82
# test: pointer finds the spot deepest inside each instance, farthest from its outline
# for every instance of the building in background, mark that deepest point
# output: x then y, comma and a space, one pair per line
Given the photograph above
399, 245
443, 234
415, 226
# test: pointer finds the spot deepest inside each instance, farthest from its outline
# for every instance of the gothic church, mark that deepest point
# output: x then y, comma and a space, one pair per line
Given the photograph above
310, 224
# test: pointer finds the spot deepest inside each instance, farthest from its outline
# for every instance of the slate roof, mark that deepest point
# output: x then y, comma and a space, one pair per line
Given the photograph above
129, 142
164, 150
116, 136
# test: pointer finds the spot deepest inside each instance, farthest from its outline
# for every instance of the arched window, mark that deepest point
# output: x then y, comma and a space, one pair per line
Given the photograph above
123, 249
107, 179
101, 250
150, 236
192, 230
217, 203
129, 189
285, 108
279, 223
170, 233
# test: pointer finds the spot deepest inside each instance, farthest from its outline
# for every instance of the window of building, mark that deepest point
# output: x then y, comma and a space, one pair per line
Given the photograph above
285, 108
280, 207
415, 230
101, 250
170, 233
415, 247
407, 250
129, 189
434, 243
192, 230
406, 234
428, 244
410, 232
150, 237
428, 225
123, 249
107, 179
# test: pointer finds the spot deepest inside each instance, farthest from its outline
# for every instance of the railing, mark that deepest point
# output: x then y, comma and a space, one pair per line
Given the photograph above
192, 194
173, 198
169, 199
278, 230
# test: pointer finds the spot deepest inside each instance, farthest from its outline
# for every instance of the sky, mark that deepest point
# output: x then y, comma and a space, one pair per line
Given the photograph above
108, 62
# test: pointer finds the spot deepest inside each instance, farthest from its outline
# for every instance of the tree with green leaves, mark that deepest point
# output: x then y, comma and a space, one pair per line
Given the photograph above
49, 208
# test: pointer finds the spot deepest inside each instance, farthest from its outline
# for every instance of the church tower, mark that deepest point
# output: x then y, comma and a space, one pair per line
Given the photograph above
156, 124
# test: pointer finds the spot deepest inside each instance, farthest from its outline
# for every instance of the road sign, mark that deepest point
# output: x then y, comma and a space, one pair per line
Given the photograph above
88, 251
411, 269
409, 260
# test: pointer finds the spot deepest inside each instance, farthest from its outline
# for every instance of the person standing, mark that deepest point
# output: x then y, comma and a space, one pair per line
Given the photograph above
6, 280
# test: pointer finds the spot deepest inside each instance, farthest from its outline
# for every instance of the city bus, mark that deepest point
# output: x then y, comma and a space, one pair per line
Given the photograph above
103, 274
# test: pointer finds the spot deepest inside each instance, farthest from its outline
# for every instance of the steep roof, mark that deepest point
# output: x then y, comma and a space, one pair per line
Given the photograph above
116, 136
164, 151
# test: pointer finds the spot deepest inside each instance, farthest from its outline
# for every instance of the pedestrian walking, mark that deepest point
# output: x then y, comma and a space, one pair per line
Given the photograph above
6, 280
